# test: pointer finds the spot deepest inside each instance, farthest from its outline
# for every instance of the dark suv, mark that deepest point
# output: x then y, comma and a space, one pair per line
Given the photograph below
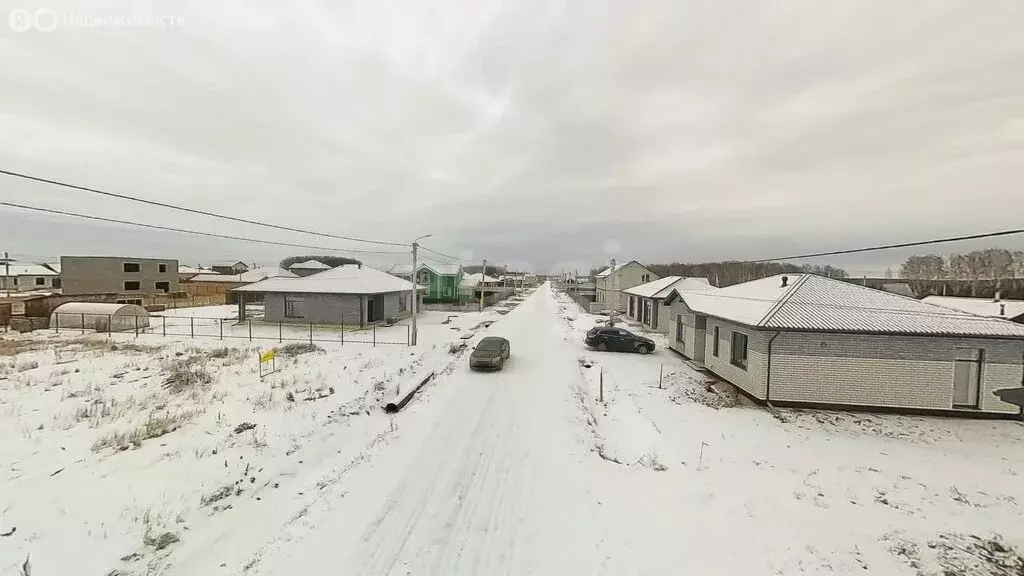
619, 340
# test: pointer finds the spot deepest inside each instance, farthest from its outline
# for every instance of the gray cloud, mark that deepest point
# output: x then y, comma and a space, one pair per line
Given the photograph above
541, 133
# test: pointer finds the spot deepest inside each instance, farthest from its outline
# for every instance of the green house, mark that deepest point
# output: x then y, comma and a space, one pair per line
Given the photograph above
441, 280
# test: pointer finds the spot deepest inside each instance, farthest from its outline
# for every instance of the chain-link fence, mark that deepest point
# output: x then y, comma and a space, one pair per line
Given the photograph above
229, 328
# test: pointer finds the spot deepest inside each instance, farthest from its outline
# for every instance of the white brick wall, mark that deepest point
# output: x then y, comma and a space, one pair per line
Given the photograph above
753, 379
890, 371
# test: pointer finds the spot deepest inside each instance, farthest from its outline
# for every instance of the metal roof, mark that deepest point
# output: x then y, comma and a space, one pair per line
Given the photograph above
815, 303
254, 275
25, 270
980, 306
347, 279
663, 287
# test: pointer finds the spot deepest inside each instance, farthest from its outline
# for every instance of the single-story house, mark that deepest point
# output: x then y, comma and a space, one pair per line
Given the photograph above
230, 268
308, 268
442, 280
25, 277
647, 303
212, 283
352, 294
610, 284
901, 288
802, 339
186, 273
1012, 310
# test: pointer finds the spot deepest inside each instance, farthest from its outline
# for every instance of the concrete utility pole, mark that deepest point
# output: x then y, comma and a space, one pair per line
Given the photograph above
415, 289
7, 274
483, 275
614, 300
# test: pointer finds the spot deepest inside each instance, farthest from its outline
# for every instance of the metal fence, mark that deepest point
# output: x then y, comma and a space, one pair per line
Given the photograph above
229, 328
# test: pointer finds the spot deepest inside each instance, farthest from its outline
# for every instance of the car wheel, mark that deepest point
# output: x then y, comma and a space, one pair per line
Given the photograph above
602, 347
643, 349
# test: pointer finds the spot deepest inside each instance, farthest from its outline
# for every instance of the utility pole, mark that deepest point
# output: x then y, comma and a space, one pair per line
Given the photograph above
483, 275
7, 273
614, 300
415, 289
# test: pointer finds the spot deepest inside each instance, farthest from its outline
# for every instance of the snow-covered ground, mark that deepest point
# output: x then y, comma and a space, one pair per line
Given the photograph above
516, 472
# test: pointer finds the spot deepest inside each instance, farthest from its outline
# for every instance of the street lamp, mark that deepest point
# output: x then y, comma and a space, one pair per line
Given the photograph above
415, 288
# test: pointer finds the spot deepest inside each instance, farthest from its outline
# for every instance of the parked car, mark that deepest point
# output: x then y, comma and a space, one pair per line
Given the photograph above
606, 338
490, 354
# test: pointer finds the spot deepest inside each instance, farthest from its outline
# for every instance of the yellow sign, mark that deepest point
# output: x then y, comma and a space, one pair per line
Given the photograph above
268, 355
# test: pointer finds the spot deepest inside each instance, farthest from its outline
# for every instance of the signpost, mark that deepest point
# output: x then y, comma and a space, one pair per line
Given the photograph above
268, 356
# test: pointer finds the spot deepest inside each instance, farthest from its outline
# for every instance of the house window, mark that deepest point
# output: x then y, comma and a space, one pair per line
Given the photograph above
56, 283
403, 304
15, 280
714, 345
131, 285
679, 328
162, 268
645, 277
40, 281
739, 350
164, 287
294, 307
130, 266
632, 306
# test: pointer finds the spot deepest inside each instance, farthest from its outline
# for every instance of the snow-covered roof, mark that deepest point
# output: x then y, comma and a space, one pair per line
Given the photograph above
309, 265
254, 275
347, 279
604, 273
439, 269
979, 306
25, 270
816, 303
183, 269
474, 279
661, 288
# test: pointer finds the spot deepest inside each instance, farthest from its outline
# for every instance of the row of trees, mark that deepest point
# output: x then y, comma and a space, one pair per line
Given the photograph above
728, 273
975, 273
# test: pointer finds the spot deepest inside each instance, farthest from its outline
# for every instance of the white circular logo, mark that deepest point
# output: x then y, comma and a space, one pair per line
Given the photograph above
20, 20
46, 20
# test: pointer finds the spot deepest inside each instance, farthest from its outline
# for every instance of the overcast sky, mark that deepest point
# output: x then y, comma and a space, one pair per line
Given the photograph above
545, 134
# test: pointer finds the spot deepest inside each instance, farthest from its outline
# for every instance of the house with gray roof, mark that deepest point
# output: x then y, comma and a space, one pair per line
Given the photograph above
610, 284
646, 303
19, 277
802, 339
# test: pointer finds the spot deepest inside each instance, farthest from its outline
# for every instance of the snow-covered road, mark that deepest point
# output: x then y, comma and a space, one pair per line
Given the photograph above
497, 474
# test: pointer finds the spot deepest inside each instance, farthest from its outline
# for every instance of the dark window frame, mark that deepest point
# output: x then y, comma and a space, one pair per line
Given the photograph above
40, 281
680, 329
165, 289
162, 268
290, 306
714, 347
137, 283
735, 359
125, 265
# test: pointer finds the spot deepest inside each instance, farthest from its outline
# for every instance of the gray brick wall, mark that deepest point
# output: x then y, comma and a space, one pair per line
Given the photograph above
330, 308
754, 377
103, 275
890, 371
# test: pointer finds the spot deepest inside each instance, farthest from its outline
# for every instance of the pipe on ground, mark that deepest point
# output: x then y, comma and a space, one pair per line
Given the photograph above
400, 399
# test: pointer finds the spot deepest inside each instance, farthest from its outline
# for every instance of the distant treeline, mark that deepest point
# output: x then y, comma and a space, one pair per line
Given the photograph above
332, 261
979, 273
728, 273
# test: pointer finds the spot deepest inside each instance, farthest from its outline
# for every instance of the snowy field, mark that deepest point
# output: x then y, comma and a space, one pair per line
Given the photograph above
170, 456
112, 447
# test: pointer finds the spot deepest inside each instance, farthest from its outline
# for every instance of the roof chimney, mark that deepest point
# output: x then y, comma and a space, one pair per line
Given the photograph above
785, 281
1002, 309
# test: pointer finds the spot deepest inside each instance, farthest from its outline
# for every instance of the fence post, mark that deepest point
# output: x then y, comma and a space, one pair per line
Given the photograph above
343, 329
110, 324
250, 330
602, 384
56, 324
661, 376
279, 332
83, 322
136, 325
408, 342
310, 332
191, 327
221, 328
163, 327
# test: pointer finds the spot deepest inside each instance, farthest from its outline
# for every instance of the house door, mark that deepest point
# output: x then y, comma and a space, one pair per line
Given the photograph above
371, 309
699, 339
967, 378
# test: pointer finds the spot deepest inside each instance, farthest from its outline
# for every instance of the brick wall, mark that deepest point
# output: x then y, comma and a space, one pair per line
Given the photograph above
890, 371
753, 378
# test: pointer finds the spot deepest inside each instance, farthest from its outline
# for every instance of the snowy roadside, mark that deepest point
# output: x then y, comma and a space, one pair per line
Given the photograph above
118, 452
823, 492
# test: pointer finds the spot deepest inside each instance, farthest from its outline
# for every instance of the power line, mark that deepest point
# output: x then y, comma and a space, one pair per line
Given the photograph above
185, 231
890, 246
445, 255
193, 210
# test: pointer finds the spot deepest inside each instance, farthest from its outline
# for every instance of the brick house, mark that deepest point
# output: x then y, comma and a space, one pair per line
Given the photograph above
802, 339
646, 303
610, 284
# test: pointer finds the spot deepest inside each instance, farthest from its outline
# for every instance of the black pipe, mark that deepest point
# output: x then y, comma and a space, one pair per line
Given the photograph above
400, 400
768, 377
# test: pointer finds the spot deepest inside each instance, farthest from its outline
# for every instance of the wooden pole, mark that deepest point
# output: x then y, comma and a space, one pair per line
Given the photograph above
602, 385
661, 377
